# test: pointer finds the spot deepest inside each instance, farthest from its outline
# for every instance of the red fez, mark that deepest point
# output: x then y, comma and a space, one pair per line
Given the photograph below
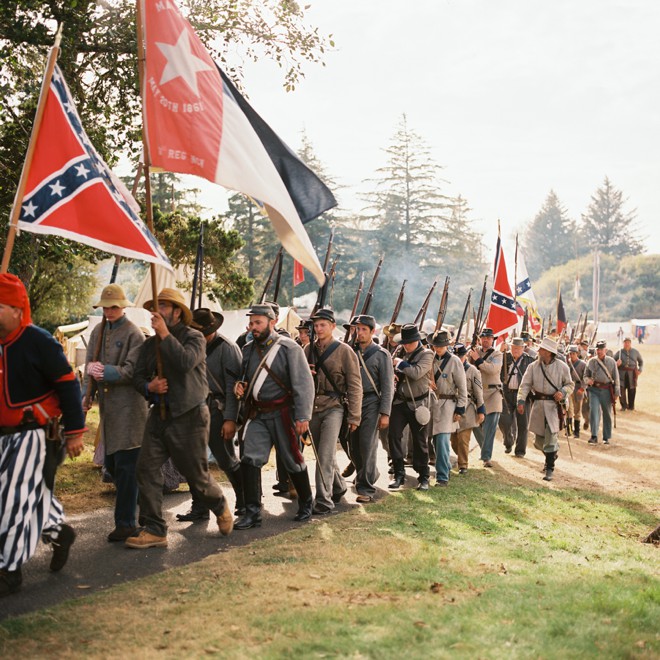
13, 293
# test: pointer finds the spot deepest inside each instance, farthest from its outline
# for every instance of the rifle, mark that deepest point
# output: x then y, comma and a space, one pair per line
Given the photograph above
271, 277
370, 292
479, 314
593, 336
465, 311
574, 329
542, 327
421, 314
395, 313
525, 323
278, 279
358, 293
442, 310
320, 298
198, 275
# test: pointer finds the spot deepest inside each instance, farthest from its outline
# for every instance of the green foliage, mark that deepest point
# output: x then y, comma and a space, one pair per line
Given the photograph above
550, 239
607, 227
628, 287
223, 278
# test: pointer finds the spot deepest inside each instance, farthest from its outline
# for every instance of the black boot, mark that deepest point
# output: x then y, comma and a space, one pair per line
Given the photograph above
550, 458
236, 481
198, 510
252, 493
305, 501
576, 428
399, 474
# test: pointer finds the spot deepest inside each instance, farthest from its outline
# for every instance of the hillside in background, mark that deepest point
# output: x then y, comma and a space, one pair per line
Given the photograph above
628, 287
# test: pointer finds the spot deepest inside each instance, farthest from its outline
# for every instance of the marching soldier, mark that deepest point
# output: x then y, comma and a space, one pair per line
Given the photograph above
223, 364
514, 426
576, 366
410, 407
377, 392
529, 345
475, 411
602, 377
450, 389
630, 363
338, 402
278, 393
489, 363
548, 382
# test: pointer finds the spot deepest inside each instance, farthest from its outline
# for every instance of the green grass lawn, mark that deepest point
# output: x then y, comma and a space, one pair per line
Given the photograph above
490, 567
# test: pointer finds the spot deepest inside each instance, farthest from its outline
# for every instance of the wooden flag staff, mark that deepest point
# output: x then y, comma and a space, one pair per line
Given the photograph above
147, 186
20, 192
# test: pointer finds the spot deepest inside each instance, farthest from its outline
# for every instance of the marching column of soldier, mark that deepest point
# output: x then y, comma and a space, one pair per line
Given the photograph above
195, 389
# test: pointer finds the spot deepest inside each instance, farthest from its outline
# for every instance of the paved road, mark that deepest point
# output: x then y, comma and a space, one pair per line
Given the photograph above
94, 564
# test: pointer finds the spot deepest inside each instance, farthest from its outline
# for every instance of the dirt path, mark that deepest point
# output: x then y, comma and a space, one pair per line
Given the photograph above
630, 463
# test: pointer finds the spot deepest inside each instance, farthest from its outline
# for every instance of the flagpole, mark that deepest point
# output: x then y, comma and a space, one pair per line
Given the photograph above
147, 185
22, 184
515, 279
557, 305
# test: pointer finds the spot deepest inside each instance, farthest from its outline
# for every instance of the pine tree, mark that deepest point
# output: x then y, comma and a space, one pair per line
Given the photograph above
550, 238
607, 227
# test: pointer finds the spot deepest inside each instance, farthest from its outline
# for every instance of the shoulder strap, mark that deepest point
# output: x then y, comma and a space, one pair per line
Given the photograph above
442, 362
259, 368
554, 387
366, 371
604, 369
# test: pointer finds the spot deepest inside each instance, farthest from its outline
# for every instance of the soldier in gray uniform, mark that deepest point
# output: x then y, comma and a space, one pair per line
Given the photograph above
475, 411
514, 426
630, 364
377, 392
338, 402
576, 366
223, 366
450, 390
277, 411
602, 377
489, 362
548, 382
412, 372
529, 345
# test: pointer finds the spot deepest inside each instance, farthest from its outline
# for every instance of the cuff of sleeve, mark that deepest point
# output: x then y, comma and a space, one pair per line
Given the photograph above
72, 433
459, 410
110, 373
481, 410
478, 362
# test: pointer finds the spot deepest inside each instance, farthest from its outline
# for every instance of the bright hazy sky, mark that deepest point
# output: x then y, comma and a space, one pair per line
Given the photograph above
514, 98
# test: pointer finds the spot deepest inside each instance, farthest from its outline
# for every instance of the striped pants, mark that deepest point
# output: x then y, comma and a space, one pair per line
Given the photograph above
28, 509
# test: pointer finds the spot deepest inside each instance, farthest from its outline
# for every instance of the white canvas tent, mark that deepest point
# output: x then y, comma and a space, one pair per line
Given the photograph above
649, 328
171, 280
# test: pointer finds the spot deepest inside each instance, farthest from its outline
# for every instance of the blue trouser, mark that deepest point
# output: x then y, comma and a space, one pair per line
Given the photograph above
600, 399
121, 466
485, 435
442, 464
364, 447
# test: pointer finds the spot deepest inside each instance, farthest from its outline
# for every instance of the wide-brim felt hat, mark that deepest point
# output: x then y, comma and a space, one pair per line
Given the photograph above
410, 333
206, 321
392, 329
517, 341
175, 298
549, 345
440, 339
113, 296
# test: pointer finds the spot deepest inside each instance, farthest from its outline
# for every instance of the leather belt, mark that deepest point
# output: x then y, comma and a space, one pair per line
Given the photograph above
10, 430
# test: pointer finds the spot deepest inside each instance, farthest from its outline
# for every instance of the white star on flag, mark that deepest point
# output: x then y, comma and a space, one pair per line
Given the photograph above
57, 189
81, 170
182, 63
29, 209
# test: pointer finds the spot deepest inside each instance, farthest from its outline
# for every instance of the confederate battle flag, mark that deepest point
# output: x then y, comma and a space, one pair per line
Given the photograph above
72, 193
502, 317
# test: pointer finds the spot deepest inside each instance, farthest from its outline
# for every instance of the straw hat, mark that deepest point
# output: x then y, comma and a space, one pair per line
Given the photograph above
175, 298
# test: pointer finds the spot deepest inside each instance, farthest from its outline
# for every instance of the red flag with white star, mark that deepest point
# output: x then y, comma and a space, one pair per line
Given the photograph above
196, 122
72, 193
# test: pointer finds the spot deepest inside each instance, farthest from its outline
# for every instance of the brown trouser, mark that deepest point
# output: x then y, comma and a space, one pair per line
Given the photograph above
460, 443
